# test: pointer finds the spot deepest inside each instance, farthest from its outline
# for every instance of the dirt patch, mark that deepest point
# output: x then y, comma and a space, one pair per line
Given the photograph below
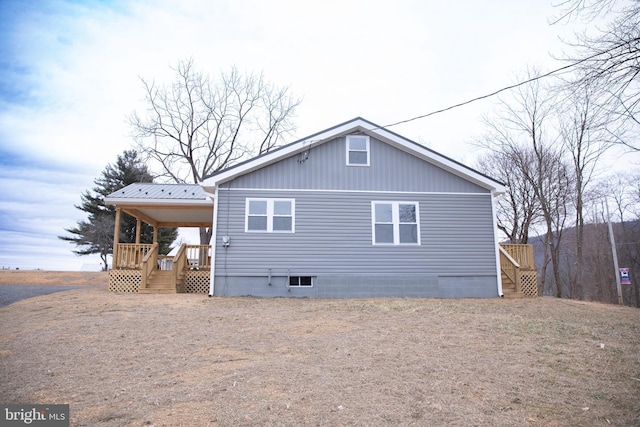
54, 278
190, 360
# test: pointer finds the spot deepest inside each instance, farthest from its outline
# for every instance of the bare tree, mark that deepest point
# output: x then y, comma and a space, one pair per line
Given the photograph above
518, 135
634, 183
618, 191
585, 136
589, 9
609, 59
622, 189
517, 121
518, 211
196, 126
553, 184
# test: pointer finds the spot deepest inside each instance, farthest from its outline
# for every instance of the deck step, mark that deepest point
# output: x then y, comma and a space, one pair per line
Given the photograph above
157, 291
513, 295
159, 283
509, 288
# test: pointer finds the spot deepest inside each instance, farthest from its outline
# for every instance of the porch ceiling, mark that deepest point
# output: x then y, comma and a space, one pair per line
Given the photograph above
172, 216
165, 205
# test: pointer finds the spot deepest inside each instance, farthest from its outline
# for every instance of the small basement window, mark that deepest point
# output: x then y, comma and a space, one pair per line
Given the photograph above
300, 281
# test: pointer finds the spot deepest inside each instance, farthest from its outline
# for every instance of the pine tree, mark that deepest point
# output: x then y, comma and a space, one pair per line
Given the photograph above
95, 235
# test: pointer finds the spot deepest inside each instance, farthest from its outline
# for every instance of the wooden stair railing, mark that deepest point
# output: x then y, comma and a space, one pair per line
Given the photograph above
179, 264
522, 253
149, 265
198, 257
518, 270
511, 268
130, 255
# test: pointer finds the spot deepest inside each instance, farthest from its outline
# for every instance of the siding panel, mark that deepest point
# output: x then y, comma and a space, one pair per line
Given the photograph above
333, 237
325, 168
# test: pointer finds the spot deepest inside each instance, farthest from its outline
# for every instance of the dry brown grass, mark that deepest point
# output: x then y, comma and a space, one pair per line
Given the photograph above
189, 360
53, 278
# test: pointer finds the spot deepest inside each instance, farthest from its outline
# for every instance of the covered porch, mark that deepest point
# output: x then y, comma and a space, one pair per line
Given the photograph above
139, 267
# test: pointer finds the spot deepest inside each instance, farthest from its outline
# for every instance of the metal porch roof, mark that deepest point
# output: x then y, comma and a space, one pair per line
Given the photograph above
165, 205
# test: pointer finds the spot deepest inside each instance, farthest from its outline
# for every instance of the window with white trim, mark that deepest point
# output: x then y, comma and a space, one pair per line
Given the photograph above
357, 150
395, 223
270, 215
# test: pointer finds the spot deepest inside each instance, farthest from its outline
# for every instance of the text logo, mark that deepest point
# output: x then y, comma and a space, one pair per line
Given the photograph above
34, 415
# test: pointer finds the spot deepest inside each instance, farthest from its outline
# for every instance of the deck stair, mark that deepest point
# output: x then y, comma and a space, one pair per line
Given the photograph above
160, 282
518, 271
509, 288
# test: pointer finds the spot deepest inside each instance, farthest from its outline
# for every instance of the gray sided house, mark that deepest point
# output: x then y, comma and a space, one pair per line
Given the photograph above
355, 211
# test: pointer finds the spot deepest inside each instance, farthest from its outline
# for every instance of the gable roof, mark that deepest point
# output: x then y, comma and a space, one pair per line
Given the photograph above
355, 125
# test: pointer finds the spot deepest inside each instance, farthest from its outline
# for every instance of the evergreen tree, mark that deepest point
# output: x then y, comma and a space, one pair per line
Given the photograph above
95, 235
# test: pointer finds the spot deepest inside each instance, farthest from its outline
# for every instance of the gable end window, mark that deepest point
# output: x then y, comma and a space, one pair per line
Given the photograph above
395, 223
357, 150
270, 215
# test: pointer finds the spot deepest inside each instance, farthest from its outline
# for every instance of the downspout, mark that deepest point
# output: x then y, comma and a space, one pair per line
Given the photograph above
214, 240
494, 196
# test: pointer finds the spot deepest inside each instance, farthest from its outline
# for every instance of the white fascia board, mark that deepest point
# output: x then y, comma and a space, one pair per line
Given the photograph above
119, 201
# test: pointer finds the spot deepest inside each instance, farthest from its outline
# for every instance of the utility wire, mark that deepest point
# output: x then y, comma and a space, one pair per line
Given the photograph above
489, 95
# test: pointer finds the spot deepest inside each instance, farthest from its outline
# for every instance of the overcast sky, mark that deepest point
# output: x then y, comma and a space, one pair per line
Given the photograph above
70, 73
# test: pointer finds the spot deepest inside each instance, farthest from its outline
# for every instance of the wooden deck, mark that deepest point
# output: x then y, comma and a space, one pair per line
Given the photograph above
519, 278
139, 268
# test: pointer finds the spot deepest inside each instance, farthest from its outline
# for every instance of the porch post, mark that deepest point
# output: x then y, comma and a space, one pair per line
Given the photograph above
155, 234
138, 227
116, 237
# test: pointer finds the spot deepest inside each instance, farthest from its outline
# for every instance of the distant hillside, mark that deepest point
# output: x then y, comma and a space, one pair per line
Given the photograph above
598, 273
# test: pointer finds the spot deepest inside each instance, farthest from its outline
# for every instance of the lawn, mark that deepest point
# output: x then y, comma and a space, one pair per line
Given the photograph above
190, 360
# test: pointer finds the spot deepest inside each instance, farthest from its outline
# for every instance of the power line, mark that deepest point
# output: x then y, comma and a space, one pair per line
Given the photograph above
489, 95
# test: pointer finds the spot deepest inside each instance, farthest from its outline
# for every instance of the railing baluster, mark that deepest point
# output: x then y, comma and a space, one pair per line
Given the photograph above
130, 255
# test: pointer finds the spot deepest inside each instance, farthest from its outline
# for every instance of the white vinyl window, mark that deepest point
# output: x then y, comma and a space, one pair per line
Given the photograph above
357, 150
270, 215
395, 223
